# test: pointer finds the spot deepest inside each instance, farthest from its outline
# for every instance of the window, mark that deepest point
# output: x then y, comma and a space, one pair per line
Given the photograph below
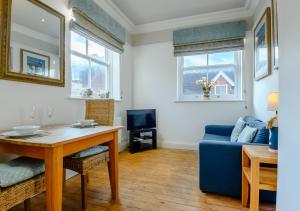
94, 66
224, 68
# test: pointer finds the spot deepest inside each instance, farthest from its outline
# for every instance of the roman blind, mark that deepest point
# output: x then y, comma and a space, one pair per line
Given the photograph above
204, 39
92, 20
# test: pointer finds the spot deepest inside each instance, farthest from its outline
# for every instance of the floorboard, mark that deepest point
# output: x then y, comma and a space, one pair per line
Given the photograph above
162, 179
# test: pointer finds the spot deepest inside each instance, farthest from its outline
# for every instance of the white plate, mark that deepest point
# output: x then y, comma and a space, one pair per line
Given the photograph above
84, 125
14, 134
86, 122
26, 129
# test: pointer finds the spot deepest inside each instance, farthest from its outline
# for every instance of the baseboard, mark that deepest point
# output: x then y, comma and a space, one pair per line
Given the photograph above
123, 145
177, 145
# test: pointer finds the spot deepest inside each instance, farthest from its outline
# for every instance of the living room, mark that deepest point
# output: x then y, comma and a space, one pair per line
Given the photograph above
204, 74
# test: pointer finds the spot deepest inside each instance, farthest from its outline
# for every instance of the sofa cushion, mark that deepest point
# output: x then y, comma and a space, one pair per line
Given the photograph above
216, 137
262, 135
19, 170
91, 151
238, 128
247, 135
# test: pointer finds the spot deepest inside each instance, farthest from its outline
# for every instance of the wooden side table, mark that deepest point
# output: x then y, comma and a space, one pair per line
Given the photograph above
256, 177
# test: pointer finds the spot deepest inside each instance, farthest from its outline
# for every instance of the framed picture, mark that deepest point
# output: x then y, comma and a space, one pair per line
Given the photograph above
275, 33
263, 46
34, 63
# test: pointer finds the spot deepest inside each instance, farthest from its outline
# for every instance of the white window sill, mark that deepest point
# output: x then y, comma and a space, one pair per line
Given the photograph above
92, 98
201, 100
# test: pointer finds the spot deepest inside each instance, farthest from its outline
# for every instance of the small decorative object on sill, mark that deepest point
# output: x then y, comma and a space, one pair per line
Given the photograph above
273, 102
206, 86
107, 95
87, 93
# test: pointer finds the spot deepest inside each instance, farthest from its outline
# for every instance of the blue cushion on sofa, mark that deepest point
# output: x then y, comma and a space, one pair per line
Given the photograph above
19, 170
216, 137
262, 135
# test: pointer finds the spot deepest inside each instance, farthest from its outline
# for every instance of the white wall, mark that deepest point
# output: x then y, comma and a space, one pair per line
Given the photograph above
17, 99
289, 144
263, 87
180, 125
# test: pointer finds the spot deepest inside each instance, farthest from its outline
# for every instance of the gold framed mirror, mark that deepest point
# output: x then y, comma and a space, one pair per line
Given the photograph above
33, 43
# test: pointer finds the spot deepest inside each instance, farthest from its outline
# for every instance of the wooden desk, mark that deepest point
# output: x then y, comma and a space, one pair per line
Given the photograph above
60, 142
258, 178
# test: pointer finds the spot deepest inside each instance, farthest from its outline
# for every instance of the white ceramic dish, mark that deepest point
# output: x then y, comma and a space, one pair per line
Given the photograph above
26, 129
14, 134
86, 122
78, 125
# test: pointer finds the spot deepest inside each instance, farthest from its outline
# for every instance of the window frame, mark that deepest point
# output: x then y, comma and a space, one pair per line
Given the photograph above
239, 79
108, 63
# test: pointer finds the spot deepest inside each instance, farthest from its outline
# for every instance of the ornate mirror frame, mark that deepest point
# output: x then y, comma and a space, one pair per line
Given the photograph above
5, 30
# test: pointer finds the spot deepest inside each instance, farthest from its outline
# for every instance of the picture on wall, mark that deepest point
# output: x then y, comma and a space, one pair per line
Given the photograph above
262, 46
275, 33
34, 63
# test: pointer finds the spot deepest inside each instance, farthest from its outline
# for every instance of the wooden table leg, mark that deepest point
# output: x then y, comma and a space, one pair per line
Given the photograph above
54, 175
254, 190
113, 166
245, 183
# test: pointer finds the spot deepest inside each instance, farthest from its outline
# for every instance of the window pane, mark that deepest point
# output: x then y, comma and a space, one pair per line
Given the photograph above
99, 77
221, 58
96, 51
78, 43
195, 60
80, 69
220, 89
189, 81
223, 75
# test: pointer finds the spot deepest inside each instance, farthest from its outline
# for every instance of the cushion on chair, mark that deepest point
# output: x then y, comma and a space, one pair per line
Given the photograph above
262, 135
238, 128
19, 170
91, 151
247, 135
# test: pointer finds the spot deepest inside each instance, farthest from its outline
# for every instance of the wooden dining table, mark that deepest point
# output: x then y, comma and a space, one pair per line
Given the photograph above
59, 142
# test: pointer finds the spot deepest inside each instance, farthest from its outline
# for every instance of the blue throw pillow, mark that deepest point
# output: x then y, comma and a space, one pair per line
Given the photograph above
238, 128
247, 135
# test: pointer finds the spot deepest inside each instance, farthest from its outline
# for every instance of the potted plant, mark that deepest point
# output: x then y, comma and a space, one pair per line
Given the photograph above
206, 86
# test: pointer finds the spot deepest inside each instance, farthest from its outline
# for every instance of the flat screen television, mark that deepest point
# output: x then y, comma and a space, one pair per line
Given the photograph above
141, 119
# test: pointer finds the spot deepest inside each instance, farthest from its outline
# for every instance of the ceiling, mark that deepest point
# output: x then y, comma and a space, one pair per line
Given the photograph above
32, 18
148, 11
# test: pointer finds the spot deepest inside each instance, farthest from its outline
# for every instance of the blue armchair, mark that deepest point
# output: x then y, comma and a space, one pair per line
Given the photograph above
220, 160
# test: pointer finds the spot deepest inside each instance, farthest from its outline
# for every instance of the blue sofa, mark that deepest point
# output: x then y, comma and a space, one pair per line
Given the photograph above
220, 160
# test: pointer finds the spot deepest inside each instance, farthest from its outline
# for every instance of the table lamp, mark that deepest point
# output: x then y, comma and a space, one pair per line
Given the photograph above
273, 102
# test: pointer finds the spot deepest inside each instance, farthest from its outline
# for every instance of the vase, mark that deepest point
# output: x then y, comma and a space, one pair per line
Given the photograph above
273, 142
206, 94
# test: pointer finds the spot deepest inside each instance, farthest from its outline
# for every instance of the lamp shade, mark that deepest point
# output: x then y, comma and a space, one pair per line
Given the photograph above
273, 101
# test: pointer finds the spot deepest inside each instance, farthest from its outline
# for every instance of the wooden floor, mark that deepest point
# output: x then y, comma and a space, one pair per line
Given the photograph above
163, 179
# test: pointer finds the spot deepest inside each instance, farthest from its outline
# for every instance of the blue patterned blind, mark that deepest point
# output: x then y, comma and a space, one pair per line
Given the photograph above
217, 32
103, 20
203, 39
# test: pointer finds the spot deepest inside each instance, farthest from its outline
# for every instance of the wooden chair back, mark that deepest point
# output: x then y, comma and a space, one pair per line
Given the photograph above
102, 111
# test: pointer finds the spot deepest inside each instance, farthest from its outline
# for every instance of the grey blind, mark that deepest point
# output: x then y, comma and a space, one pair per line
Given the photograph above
84, 25
217, 37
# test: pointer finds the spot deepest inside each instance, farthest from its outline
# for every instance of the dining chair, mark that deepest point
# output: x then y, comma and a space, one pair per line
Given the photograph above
20, 180
102, 111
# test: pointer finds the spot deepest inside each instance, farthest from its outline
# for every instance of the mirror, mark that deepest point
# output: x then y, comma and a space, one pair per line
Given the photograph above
35, 36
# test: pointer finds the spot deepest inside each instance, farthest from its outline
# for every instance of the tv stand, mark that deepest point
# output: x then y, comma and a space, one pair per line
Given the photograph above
139, 140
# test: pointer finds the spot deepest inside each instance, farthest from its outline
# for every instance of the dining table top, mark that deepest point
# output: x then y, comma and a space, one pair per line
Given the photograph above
57, 135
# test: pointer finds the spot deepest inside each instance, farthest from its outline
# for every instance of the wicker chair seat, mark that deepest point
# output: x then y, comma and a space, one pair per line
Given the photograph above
83, 165
11, 196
